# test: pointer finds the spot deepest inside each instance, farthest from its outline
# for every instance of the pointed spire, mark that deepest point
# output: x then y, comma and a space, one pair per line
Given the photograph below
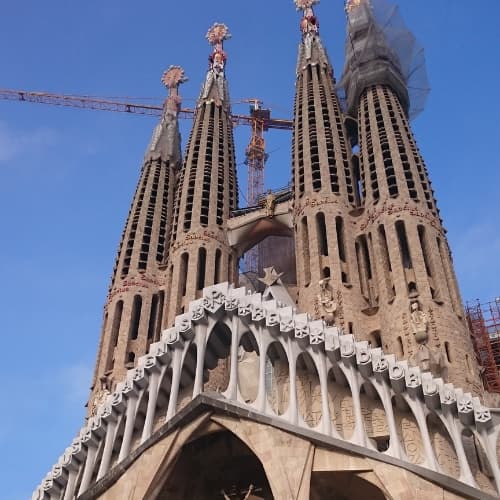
311, 50
166, 142
215, 87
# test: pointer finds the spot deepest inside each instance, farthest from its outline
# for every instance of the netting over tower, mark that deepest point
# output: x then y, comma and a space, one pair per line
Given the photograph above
377, 39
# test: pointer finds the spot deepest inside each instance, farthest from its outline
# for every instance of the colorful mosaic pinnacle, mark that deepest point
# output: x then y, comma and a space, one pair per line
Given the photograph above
173, 77
305, 4
218, 33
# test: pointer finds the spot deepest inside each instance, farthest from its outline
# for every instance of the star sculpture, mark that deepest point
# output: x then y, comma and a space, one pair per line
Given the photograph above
271, 276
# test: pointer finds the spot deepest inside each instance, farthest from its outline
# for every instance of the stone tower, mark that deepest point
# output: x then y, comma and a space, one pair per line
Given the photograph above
134, 307
200, 254
325, 192
411, 305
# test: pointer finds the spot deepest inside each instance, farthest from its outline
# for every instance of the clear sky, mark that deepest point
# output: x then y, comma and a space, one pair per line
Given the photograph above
67, 176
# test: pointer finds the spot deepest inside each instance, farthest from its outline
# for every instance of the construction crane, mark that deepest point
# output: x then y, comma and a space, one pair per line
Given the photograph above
259, 120
256, 157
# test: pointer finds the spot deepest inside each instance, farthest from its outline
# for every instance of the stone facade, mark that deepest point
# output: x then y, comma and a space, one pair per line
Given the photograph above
359, 379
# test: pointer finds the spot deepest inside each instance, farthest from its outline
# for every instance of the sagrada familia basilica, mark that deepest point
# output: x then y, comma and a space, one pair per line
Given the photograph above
355, 378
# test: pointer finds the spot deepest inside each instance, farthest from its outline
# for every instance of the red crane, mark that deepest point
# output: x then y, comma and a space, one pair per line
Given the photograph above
259, 119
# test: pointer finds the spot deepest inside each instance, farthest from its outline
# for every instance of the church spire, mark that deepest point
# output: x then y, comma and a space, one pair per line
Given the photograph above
200, 254
134, 309
215, 85
166, 141
311, 50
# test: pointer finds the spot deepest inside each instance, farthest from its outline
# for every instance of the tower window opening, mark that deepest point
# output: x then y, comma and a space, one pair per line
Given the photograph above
401, 349
447, 349
161, 301
117, 319
425, 252
153, 313
201, 269
183, 273
131, 358
326, 272
135, 318
339, 227
404, 248
322, 234
305, 251
217, 267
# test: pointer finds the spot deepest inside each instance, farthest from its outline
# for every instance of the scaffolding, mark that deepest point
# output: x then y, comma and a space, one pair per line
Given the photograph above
484, 325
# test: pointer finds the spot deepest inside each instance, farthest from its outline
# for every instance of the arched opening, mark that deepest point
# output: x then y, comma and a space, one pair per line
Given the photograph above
448, 351
443, 446
408, 431
478, 461
216, 466
187, 377
375, 339
277, 378
340, 403
374, 418
135, 318
216, 362
308, 390
342, 485
248, 368
201, 269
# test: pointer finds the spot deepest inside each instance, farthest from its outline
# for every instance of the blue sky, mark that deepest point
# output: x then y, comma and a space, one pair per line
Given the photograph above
67, 176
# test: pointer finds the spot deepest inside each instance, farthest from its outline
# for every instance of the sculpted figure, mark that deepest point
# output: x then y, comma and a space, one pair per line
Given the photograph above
327, 304
419, 323
269, 204
100, 396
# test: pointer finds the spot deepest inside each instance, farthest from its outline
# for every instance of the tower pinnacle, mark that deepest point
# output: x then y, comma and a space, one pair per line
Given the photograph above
215, 87
166, 141
172, 78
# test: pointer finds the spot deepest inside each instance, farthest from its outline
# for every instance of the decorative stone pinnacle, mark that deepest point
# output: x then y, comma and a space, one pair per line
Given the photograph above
305, 4
217, 34
173, 77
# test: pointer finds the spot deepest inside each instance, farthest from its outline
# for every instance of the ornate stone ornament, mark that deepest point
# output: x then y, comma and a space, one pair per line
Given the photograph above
326, 303
419, 323
305, 4
213, 300
217, 33
271, 276
173, 76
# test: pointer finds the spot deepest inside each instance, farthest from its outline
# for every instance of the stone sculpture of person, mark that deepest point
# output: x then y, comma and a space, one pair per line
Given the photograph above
419, 323
100, 397
269, 204
326, 302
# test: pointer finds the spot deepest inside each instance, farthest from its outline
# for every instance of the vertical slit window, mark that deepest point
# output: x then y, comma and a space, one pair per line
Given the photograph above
386, 262
322, 234
201, 269
404, 248
161, 300
218, 256
425, 250
305, 251
339, 229
117, 319
135, 318
153, 313
448, 277
183, 273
